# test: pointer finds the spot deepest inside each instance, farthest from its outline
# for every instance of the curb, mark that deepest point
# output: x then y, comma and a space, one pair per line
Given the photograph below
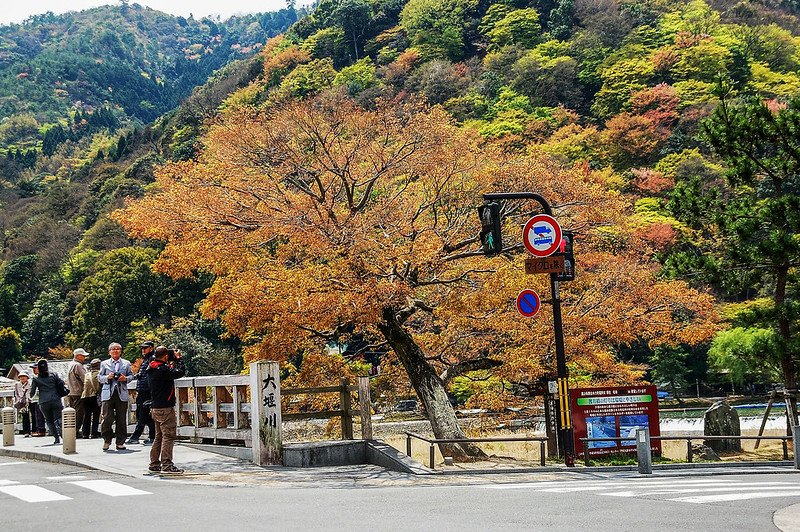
43, 457
634, 468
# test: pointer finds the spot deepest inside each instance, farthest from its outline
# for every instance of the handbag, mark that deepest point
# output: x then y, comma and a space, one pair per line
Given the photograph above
61, 388
19, 405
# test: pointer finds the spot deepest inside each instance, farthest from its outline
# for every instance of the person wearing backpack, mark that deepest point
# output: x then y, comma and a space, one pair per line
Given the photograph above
51, 389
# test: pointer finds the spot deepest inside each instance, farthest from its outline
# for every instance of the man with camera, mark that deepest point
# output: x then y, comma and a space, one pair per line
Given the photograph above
143, 399
113, 376
162, 373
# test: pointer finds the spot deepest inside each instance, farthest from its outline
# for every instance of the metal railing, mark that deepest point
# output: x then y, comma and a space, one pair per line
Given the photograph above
433, 442
784, 442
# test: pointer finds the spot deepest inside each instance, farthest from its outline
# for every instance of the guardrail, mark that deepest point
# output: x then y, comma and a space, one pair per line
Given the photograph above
432, 442
218, 407
785, 440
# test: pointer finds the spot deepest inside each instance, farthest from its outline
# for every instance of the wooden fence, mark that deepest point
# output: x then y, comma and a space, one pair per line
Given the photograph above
218, 407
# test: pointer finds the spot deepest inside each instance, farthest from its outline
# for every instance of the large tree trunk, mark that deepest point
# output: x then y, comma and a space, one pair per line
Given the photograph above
787, 355
429, 388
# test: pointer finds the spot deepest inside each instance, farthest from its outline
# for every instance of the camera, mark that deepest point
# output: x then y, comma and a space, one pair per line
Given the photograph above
117, 376
171, 354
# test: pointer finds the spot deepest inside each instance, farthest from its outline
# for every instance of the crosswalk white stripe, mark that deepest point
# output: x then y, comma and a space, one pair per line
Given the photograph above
4, 482
12, 463
29, 493
65, 478
110, 488
743, 487
582, 485
727, 497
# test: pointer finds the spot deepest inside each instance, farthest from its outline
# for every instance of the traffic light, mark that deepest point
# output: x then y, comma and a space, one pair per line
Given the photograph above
565, 250
491, 237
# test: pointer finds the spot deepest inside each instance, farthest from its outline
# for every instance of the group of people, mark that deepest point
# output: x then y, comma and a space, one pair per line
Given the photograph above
101, 393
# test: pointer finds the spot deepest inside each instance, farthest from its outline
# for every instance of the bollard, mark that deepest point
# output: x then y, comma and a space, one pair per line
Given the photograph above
68, 430
796, 445
9, 418
643, 451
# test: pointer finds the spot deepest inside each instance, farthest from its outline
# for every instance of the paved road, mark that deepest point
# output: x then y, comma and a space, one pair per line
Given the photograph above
44, 496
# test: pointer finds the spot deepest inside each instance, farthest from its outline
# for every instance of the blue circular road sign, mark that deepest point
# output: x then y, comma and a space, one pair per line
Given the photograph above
528, 303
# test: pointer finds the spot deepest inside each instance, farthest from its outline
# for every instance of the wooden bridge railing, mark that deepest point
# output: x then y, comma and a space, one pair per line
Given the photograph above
218, 407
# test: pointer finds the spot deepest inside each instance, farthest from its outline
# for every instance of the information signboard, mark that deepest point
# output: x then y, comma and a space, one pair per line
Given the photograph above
614, 412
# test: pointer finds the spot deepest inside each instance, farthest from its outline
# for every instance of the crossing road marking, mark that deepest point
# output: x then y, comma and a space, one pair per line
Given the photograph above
727, 497
714, 490
591, 485
745, 486
109, 487
7, 482
66, 478
11, 463
30, 493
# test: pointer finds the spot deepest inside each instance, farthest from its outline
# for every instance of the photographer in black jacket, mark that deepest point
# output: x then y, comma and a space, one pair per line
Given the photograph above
143, 418
162, 373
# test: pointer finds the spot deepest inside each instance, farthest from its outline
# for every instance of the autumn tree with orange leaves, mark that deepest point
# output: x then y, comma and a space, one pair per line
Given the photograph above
320, 219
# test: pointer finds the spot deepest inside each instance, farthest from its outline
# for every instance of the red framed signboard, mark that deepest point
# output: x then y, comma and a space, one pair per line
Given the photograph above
614, 412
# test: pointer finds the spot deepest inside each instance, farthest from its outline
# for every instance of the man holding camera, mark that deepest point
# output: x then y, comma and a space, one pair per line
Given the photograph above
143, 398
162, 373
113, 376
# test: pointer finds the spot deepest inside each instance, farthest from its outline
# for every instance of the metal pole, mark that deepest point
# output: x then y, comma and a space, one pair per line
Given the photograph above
433, 457
565, 419
796, 445
542, 456
408, 445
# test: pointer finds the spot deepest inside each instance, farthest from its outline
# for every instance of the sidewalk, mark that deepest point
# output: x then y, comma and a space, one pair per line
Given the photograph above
211, 468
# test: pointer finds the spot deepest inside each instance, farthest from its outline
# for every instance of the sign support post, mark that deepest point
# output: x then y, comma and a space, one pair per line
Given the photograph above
565, 422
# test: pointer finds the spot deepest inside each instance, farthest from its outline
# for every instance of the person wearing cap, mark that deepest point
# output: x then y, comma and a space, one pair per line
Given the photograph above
164, 369
22, 401
143, 417
37, 417
75, 377
91, 401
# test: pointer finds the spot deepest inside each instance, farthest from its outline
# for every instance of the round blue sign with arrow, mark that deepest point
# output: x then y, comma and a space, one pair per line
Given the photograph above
528, 303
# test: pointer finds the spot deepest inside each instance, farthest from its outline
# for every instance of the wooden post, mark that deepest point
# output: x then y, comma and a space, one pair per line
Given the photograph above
347, 420
239, 397
766, 415
265, 411
365, 406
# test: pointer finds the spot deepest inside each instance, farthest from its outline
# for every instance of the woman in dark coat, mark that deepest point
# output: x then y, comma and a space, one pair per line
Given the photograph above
50, 404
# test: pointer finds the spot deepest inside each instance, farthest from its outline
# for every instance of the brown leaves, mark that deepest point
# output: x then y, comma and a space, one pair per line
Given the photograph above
318, 215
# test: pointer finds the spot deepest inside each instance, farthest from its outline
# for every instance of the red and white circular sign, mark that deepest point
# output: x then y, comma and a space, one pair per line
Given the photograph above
542, 235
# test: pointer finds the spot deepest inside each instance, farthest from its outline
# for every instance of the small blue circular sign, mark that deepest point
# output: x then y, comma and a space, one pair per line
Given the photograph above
528, 303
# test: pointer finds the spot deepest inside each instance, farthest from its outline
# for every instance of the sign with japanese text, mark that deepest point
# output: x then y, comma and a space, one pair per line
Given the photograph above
614, 412
551, 264
265, 413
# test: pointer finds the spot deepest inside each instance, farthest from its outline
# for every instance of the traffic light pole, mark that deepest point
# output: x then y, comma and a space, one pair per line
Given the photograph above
564, 415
